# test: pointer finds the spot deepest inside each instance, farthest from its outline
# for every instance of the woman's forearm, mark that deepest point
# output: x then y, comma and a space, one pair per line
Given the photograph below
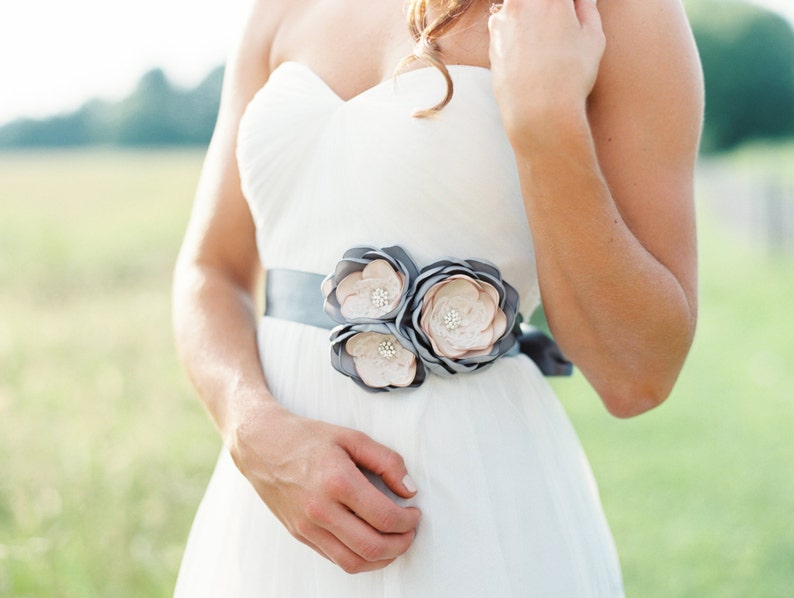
621, 315
604, 118
219, 354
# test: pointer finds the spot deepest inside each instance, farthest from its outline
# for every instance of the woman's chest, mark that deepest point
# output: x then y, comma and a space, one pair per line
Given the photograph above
353, 45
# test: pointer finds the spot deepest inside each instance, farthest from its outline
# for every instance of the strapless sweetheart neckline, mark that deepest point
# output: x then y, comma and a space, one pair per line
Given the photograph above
404, 76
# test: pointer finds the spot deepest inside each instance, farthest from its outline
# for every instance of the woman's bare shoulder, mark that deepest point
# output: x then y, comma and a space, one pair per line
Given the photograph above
647, 32
650, 74
254, 57
256, 38
632, 25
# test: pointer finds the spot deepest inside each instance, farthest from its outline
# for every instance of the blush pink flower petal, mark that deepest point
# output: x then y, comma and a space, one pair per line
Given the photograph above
377, 371
354, 293
481, 324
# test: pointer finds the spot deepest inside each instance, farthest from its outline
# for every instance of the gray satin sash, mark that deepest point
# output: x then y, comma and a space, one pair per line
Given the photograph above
296, 296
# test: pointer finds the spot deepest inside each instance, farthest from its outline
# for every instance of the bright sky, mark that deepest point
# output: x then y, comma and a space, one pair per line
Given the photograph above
56, 54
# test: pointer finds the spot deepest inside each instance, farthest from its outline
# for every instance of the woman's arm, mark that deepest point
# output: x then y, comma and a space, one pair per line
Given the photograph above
608, 182
305, 471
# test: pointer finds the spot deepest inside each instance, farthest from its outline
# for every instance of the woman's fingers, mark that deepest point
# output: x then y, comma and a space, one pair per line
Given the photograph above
380, 460
588, 15
365, 541
336, 551
348, 488
377, 509
346, 538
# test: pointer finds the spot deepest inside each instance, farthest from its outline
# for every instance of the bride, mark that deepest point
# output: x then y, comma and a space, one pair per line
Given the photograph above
538, 148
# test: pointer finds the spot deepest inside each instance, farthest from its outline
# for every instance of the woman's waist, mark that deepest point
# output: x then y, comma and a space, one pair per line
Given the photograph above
392, 324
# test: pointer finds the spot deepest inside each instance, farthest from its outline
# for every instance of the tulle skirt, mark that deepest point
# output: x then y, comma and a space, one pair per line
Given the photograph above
509, 506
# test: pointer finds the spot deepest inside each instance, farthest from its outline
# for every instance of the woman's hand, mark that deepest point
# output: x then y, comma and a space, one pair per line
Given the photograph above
545, 56
309, 475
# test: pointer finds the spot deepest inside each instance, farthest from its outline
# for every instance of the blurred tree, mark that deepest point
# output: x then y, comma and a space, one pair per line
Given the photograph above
748, 64
202, 105
156, 113
150, 116
77, 128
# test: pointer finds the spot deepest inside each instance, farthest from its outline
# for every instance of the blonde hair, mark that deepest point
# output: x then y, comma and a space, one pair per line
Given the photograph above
426, 33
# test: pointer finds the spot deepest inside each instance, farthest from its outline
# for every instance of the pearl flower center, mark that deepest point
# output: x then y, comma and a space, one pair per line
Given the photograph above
387, 350
379, 297
452, 319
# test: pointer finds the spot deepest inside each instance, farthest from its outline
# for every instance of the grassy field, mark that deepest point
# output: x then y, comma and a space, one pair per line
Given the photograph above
105, 452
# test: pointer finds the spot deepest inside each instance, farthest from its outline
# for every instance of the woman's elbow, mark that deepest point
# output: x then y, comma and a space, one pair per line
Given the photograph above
641, 380
636, 394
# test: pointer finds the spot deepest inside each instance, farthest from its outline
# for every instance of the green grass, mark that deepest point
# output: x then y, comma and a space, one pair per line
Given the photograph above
105, 451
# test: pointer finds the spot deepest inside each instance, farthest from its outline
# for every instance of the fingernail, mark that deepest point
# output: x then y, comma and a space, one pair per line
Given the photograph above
409, 484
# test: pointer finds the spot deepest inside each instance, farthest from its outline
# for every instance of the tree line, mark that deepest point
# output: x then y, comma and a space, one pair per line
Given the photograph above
156, 113
748, 64
747, 54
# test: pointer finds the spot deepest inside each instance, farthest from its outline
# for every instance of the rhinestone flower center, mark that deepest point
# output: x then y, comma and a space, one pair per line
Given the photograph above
387, 350
379, 297
452, 319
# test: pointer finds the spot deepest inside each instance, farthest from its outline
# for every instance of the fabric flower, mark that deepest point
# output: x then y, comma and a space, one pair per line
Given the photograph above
374, 357
369, 285
461, 316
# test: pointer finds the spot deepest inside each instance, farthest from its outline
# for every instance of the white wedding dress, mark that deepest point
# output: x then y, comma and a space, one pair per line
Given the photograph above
509, 506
